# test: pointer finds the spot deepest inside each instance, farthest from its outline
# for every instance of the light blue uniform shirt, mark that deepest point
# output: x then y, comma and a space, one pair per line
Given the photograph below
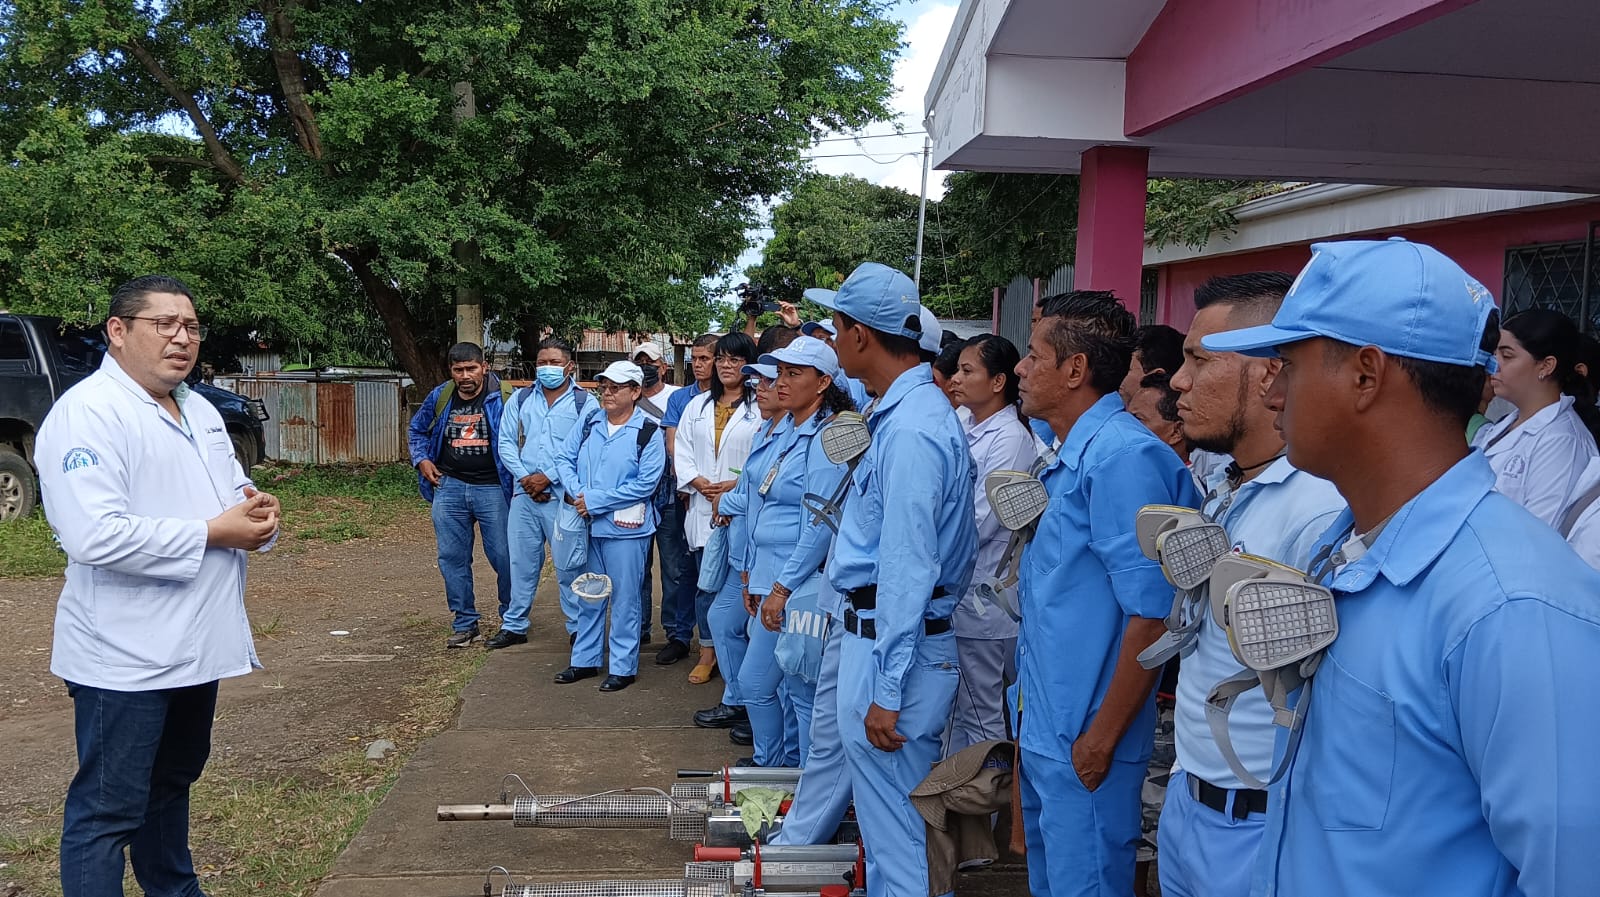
1450, 744
1083, 577
542, 428
611, 472
907, 525
743, 501
1280, 515
782, 534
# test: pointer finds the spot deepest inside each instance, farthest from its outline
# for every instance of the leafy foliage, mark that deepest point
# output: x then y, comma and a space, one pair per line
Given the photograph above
316, 169
988, 229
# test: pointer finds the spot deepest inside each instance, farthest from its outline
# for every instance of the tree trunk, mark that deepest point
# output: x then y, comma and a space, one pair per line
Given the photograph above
292, 75
421, 357
469, 302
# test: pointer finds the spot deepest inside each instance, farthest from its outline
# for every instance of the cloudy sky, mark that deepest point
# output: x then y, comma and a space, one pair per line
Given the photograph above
896, 159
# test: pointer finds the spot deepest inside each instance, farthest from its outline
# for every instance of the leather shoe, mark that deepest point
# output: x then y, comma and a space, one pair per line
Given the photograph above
746, 763
573, 674
617, 683
505, 638
672, 653
720, 717
741, 734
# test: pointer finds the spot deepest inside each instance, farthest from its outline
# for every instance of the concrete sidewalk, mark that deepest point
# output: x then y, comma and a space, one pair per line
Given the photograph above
559, 739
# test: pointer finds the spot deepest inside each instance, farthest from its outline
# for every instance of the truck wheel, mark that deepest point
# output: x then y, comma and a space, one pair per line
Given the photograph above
244, 448
19, 489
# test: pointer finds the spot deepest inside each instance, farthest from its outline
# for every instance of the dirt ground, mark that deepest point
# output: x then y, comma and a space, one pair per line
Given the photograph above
319, 698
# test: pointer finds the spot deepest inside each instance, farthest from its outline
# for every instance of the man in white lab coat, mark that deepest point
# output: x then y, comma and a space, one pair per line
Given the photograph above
155, 514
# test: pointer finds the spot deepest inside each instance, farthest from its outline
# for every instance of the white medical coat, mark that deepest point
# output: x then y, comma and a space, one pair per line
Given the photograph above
696, 453
128, 491
1538, 464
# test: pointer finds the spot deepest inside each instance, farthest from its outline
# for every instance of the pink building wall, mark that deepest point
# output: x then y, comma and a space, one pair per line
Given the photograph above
1479, 245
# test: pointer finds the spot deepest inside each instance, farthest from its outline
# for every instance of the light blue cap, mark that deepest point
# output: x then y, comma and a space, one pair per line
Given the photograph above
806, 351
878, 296
932, 332
810, 328
768, 371
1407, 299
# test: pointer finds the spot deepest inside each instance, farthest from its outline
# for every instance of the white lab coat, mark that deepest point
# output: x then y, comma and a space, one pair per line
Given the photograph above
696, 454
1584, 537
1538, 464
128, 492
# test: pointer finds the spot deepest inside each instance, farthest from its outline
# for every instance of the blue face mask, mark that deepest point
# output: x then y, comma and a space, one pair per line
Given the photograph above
551, 375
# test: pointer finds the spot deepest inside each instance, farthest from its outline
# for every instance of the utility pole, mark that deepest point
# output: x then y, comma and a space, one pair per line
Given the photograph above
922, 210
469, 302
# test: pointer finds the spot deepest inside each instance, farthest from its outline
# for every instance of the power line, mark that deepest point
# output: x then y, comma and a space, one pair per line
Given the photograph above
867, 156
871, 136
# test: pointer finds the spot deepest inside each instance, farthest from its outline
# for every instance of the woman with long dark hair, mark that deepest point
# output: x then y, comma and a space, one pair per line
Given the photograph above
985, 383
710, 447
1539, 451
788, 546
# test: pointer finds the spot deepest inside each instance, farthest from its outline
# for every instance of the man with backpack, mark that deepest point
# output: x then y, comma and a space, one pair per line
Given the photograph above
455, 447
536, 423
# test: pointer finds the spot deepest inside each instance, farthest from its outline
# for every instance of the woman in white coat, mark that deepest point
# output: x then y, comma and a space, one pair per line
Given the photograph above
1539, 451
711, 444
985, 383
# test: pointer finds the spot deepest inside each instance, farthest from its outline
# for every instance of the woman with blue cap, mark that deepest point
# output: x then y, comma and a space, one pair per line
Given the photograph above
788, 545
608, 470
731, 512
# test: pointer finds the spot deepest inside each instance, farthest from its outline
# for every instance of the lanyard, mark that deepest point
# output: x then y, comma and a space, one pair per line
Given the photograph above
1332, 554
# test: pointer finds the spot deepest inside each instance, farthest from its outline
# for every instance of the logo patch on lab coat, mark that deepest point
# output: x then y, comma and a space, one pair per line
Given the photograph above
79, 458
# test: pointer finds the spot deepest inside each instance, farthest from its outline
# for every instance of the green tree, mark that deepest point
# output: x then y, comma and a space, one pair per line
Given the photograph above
302, 163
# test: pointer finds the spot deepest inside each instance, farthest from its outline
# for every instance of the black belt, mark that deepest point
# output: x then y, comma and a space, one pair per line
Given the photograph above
866, 597
866, 627
1245, 801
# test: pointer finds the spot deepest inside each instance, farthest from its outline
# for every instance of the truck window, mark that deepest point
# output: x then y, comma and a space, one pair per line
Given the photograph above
15, 356
81, 350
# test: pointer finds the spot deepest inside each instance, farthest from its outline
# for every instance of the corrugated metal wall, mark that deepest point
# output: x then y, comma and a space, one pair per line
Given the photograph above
1016, 303
331, 421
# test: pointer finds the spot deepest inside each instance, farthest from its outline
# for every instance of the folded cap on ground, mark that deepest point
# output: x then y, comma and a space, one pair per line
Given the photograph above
1405, 298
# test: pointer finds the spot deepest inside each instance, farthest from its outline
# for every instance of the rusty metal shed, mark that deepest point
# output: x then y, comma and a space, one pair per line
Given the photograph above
328, 421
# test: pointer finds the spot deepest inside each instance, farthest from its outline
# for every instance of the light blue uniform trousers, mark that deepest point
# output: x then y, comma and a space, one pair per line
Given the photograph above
728, 619
1081, 843
623, 561
893, 831
1205, 853
529, 530
823, 795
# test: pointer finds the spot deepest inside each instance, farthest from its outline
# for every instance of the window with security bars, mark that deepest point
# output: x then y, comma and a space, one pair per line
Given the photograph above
1149, 287
1551, 275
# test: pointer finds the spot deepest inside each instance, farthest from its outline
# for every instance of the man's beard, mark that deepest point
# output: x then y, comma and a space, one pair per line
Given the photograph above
1232, 434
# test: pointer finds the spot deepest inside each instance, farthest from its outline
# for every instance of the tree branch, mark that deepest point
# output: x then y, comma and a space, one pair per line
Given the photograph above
180, 160
292, 76
220, 158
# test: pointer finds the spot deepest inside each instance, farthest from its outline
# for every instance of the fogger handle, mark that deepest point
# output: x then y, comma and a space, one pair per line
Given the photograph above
474, 812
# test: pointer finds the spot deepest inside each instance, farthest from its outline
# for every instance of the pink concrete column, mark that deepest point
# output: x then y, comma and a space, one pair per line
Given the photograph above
1111, 196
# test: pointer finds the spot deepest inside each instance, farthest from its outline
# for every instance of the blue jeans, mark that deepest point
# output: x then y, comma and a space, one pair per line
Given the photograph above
456, 506
528, 530
678, 583
138, 753
623, 561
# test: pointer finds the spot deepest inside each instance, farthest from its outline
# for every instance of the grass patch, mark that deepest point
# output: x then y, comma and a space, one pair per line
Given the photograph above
340, 503
320, 504
28, 548
277, 835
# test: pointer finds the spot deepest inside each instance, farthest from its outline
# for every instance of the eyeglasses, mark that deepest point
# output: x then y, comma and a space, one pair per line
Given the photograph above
734, 360
168, 327
607, 389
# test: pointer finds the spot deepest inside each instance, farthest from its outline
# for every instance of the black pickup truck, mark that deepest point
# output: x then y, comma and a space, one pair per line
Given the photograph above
40, 358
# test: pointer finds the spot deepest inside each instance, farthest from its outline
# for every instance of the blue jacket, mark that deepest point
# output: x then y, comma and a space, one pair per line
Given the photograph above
425, 440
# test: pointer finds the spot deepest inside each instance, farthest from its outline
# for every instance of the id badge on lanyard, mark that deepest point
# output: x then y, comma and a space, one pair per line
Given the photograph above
772, 475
